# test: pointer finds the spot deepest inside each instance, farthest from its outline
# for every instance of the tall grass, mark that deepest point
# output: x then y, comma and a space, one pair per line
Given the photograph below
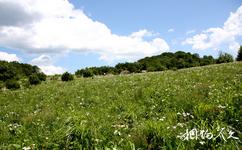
139, 111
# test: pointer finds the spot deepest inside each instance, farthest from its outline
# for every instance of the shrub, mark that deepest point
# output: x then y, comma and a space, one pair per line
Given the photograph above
224, 58
41, 76
151, 68
67, 77
87, 73
25, 84
34, 79
12, 84
55, 77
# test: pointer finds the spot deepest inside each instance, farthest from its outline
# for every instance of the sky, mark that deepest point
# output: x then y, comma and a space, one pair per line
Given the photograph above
62, 35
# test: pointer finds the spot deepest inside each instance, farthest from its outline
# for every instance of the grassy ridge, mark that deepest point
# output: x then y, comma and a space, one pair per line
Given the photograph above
147, 111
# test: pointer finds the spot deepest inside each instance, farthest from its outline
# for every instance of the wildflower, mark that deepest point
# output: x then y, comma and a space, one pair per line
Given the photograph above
26, 148
181, 124
162, 119
116, 132
220, 106
119, 126
202, 142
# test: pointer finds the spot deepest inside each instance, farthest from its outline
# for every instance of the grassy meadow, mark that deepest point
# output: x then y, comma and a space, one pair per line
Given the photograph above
135, 111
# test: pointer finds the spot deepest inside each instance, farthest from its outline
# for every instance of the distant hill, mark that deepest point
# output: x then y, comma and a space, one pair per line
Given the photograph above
16, 70
164, 61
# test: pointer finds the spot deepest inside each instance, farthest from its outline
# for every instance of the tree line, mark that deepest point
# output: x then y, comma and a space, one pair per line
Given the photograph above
164, 61
12, 72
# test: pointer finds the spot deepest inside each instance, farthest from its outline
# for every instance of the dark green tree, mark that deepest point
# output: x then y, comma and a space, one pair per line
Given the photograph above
224, 58
88, 73
34, 79
41, 76
207, 60
12, 84
239, 56
67, 77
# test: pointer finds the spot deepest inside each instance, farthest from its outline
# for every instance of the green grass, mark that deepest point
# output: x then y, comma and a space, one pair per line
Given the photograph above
138, 111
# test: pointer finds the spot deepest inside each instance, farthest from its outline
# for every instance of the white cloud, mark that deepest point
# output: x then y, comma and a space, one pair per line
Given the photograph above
234, 46
8, 57
190, 32
135, 51
216, 37
142, 33
45, 63
17, 14
56, 26
52, 70
171, 30
42, 60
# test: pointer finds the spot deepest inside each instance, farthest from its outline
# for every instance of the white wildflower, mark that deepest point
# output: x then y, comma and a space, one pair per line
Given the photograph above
202, 142
220, 106
116, 132
26, 148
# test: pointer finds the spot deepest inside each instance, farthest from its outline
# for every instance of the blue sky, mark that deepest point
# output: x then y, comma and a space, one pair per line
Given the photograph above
142, 28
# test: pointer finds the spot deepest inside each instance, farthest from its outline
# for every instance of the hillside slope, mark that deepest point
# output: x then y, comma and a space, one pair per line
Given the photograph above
147, 111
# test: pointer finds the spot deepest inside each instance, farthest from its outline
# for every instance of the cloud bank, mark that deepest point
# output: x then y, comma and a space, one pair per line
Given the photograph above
215, 38
56, 26
45, 63
8, 57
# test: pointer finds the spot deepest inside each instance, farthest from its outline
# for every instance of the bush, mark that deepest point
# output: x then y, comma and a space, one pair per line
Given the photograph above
67, 77
224, 58
34, 79
25, 84
12, 84
41, 76
87, 73
55, 77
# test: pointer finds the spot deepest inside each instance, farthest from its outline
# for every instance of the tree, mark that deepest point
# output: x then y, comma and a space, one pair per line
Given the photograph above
41, 76
34, 79
224, 58
87, 73
207, 60
16, 70
239, 56
12, 84
67, 77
